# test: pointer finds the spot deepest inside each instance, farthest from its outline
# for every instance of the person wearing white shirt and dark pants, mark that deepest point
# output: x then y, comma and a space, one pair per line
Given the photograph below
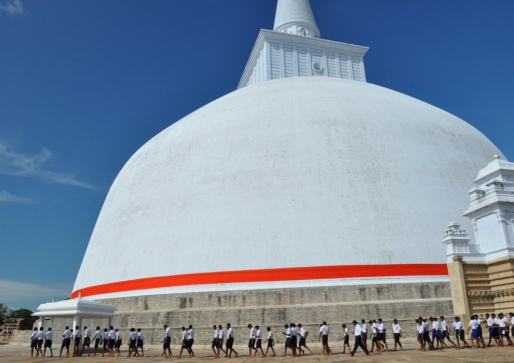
214, 343
323, 336
98, 339
303, 340
40, 339
230, 342
132, 342
77, 337
118, 342
33, 342
382, 334
87, 341
458, 329
258, 341
221, 339
140, 343
358, 339
270, 341
287, 343
397, 332
184, 343
191, 340
166, 343
364, 333
48, 342
251, 341
445, 332
66, 342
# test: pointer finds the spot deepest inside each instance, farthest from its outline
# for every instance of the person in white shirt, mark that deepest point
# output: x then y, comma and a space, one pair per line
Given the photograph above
98, 339
214, 343
374, 336
445, 334
480, 336
436, 338
140, 343
397, 332
105, 342
294, 337
421, 332
357, 332
77, 338
40, 337
473, 325
184, 344
323, 336
270, 341
118, 342
346, 339
251, 341
191, 340
287, 343
437, 334
382, 334
33, 342
230, 342
166, 342
221, 339
132, 342
111, 341
426, 333
87, 341
510, 326
497, 331
492, 326
66, 342
364, 333
258, 341
49, 336
458, 330
303, 339
503, 323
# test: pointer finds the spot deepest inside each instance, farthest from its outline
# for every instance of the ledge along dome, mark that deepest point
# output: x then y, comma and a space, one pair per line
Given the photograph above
299, 181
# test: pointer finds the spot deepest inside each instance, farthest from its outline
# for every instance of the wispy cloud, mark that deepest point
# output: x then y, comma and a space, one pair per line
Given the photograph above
10, 198
13, 292
18, 164
11, 7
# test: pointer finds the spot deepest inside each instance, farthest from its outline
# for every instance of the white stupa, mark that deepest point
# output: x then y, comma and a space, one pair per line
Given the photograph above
305, 176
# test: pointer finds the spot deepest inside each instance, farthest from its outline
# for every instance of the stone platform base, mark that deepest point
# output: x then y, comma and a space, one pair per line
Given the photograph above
275, 307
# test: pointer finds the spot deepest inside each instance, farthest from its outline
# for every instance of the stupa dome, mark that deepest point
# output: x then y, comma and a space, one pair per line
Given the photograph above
286, 181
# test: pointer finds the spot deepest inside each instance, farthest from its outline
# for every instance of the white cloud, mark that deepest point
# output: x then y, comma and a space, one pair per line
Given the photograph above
12, 291
8, 197
12, 7
17, 164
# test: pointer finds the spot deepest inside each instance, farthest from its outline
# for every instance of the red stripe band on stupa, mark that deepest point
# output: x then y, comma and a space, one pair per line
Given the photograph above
267, 275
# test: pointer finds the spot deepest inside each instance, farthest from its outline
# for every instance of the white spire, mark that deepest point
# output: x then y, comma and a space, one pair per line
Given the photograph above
295, 17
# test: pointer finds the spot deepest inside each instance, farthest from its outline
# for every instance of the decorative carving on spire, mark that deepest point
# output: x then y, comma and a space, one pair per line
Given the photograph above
295, 17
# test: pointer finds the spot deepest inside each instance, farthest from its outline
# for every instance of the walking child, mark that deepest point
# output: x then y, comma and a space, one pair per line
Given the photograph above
270, 341
397, 332
346, 339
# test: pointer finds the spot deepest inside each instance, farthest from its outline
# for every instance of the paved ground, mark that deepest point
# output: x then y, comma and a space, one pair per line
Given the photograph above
10, 353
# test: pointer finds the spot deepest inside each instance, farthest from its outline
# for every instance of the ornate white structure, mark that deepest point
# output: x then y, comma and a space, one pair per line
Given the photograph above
294, 49
290, 182
491, 210
482, 270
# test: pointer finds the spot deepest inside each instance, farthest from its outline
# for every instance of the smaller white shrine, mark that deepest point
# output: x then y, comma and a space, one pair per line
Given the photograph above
491, 210
75, 309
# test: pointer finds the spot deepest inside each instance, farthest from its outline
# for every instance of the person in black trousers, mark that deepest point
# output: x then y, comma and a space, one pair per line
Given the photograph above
358, 339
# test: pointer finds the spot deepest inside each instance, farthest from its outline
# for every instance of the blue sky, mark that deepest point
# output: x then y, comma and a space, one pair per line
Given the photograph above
84, 84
